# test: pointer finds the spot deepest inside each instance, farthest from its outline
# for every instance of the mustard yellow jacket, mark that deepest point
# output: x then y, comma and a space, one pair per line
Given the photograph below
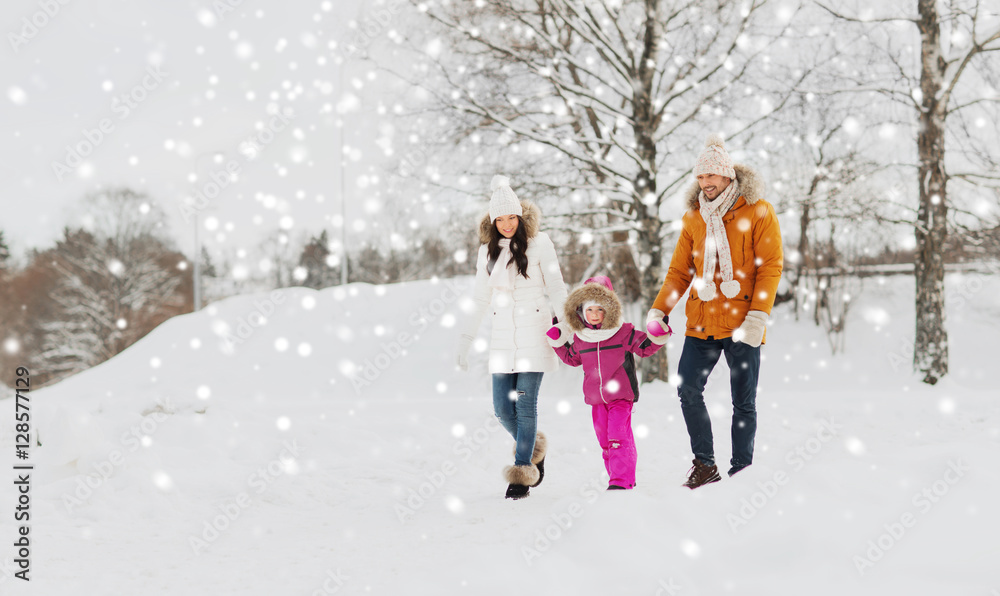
755, 244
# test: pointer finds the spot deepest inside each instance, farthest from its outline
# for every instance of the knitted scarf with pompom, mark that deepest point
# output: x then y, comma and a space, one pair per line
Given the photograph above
717, 244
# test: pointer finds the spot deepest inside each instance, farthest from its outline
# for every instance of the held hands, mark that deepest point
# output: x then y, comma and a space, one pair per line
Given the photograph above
558, 333
464, 343
751, 332
658, 327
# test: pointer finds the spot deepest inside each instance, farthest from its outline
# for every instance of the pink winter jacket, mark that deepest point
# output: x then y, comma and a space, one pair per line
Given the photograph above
605, 373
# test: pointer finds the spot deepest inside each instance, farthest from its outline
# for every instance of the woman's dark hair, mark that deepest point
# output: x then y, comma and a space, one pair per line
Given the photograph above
518, 246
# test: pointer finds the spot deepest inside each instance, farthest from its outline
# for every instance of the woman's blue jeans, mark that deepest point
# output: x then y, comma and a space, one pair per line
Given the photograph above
515, 403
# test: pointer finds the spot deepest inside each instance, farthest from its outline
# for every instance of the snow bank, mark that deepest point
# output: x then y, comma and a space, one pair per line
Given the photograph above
323, 442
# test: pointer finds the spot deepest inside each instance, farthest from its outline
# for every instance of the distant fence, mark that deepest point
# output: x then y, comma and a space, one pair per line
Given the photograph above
900, 269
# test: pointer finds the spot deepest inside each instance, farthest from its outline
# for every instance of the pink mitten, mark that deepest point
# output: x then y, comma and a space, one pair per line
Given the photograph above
656, 329
657, 325
559, 333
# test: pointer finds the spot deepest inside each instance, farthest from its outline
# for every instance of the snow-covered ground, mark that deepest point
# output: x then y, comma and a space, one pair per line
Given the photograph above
222, 456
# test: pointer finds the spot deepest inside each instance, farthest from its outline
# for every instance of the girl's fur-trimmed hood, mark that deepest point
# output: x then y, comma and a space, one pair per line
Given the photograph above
531, 218
592, 292
751, 187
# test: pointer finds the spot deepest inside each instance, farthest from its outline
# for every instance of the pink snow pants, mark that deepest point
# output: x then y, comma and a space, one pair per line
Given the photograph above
613, 425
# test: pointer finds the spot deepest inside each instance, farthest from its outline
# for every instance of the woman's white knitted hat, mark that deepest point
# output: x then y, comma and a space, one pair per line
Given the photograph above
504, 201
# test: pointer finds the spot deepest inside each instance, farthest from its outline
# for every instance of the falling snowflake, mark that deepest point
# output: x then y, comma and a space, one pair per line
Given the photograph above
17, 96
690, 548
162, 480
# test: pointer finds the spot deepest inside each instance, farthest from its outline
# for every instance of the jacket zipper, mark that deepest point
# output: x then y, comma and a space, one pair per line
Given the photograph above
513, 337
600, 377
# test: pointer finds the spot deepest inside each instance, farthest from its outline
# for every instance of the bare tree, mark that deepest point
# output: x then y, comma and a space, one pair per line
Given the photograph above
316, 260
117, 279
593, 100
955, 39
278, 262
4, 255
827, 179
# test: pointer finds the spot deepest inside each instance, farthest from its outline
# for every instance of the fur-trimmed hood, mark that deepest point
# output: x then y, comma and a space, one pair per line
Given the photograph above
751, 187
531, 217
595, 289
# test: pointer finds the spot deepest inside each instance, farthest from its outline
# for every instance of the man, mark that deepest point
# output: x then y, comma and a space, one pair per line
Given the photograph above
730, 249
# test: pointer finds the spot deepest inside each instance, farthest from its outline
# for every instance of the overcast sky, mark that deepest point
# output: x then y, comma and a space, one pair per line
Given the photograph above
171, 83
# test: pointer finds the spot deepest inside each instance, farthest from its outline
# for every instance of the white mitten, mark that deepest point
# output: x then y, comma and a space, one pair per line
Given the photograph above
559, 334
658, 327
656, 323
751, 332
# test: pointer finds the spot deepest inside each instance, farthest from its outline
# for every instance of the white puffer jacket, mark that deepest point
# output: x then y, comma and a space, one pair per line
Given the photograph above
521, 317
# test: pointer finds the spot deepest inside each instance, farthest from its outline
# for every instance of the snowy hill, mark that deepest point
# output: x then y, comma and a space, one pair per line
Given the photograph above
304, 442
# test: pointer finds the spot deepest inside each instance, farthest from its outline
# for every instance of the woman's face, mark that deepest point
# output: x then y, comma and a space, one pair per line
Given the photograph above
507, 225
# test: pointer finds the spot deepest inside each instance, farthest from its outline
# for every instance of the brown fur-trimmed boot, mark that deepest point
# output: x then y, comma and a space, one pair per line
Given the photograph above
521, 478
538, 456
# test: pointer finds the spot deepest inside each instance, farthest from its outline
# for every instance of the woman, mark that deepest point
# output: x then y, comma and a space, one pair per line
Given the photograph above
517, 267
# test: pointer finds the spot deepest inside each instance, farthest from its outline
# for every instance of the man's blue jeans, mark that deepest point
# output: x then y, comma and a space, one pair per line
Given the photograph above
515, 402
698, 358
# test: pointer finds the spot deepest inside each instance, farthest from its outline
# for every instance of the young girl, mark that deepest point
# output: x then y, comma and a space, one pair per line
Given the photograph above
517, 268
604, 346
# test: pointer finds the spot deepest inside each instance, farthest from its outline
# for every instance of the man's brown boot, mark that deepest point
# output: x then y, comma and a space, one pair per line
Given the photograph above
700, 474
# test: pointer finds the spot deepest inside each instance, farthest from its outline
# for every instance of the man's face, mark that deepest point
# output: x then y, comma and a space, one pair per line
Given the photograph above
712, 185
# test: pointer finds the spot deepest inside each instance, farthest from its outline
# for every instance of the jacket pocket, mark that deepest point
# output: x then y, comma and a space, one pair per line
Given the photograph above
736, 309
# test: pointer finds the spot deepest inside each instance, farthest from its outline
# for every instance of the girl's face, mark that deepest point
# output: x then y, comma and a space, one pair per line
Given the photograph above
507, 225
595, 315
